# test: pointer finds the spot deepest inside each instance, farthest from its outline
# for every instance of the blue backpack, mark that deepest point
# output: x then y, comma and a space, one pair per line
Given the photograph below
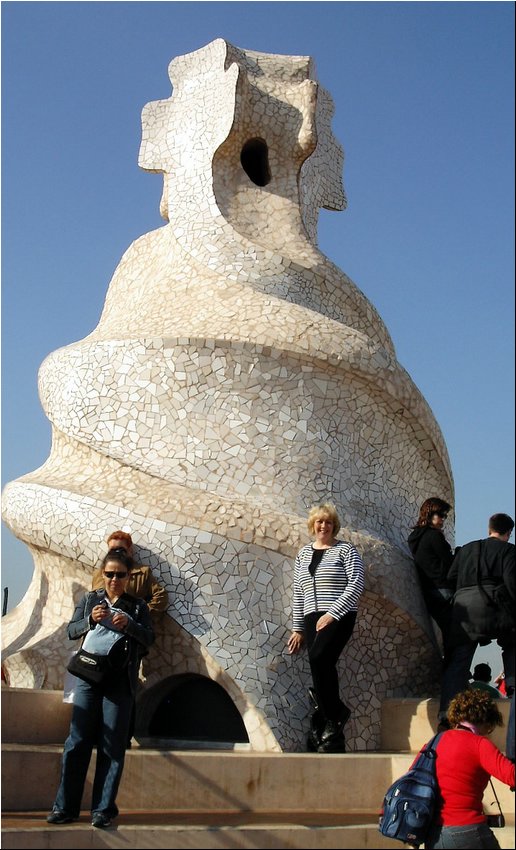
410, 803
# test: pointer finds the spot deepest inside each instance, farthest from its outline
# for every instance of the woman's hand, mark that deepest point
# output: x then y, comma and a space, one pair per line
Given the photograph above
295, 642
99, 613
120, 621
324, 621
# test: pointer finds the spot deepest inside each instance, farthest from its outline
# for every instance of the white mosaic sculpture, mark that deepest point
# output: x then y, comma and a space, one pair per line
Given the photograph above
235, 378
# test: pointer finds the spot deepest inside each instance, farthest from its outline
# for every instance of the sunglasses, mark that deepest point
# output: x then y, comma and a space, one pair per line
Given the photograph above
442, 514
110, 574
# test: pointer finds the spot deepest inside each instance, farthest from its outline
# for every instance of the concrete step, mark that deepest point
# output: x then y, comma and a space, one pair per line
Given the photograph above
21, 707
215, 830
159, 780
199, 780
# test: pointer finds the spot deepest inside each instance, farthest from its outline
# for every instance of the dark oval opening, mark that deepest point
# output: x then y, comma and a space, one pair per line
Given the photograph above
255, 161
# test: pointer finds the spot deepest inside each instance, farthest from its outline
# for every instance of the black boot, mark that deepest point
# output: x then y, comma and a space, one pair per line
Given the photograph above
317, 723
333, 728
313, 740
313, 699
336, 744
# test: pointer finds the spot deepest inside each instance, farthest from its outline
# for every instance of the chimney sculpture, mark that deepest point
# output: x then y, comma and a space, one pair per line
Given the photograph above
236, 377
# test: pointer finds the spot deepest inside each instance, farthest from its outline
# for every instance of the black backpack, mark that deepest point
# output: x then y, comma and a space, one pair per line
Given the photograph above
411, 802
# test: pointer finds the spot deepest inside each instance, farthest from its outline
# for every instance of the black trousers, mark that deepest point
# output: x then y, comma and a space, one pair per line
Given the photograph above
324, 649
438, 604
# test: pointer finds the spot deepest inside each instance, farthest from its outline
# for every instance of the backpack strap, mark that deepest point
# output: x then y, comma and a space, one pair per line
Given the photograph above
432, 743
428, 753
479, 554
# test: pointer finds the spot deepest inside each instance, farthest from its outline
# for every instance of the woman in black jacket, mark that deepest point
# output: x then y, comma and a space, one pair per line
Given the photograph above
433, 557
102, 712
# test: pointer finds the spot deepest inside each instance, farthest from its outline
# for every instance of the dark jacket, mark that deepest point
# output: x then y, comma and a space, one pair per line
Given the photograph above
432, 555
473, 617
139, 628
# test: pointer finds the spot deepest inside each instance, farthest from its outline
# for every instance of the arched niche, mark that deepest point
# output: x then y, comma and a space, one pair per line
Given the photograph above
188, 711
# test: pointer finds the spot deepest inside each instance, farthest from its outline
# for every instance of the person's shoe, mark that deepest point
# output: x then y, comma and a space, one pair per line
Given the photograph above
333, 745
100, 821
334, 728
56, 816
331, 730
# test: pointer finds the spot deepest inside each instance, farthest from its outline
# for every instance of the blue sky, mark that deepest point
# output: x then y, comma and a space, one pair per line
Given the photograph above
424, 96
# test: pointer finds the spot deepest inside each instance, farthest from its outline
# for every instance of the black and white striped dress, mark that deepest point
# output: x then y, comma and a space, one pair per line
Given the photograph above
335, 587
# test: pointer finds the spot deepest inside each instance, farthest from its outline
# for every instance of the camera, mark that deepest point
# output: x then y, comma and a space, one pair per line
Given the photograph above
496, 821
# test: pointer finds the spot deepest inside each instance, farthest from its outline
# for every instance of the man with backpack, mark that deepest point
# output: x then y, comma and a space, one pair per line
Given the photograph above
483, 607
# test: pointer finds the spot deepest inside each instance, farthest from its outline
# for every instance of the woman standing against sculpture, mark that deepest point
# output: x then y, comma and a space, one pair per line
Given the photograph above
433, 557
102, 711
328, 583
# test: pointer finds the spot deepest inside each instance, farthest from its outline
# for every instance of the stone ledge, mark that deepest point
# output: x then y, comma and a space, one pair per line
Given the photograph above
406, 724
338, 833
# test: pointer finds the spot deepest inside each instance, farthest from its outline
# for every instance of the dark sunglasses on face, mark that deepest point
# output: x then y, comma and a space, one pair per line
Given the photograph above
442, 514
110, 574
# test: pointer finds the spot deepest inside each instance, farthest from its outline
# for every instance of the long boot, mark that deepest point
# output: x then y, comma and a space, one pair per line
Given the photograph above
332, 736
336, 744
317, 724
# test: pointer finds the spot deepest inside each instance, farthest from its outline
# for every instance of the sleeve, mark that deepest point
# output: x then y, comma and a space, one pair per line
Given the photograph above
157, 596
434, 556
298, 622
348, 600
80, 622
508, 572
140, 627
444, 553
495, 763
453, 572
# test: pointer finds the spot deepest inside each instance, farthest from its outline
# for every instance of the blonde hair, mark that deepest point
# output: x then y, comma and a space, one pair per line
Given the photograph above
327, 510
